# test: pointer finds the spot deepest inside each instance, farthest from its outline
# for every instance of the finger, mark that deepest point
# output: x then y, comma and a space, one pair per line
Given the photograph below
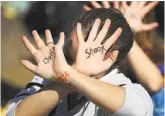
61, 40
79, 34
151, 26
116, 4
149, 7
134, 3
38, 40
141, 4
95, 4
94, 30
49, 38
112, 57
59, 55
103, 31
113, 38
29, 46
124, 4
87, 8
28, 65
106, 4
122, 9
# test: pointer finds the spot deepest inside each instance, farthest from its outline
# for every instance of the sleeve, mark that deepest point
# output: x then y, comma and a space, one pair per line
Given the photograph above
137, 102
34, 85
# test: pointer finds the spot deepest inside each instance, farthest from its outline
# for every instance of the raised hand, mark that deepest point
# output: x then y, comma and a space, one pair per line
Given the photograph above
105, 4
90, 54
44, 56
135, 12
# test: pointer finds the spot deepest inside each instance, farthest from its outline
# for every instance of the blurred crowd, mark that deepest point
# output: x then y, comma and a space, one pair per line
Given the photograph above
60, 16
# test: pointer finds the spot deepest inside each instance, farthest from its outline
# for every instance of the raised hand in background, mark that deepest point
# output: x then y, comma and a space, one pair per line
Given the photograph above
134, 13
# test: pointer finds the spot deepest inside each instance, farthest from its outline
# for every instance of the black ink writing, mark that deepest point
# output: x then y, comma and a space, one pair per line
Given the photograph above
91, 51
46, 60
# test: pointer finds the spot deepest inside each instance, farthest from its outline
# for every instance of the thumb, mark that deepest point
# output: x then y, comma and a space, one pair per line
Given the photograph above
147, 27
59, 54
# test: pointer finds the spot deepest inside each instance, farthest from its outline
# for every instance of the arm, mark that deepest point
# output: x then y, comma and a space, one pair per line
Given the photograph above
146, 71
105, 95
41, 102
134, 13
37, 93
116, 100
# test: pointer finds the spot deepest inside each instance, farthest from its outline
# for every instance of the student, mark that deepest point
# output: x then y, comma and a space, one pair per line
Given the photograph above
93, 84
146, 53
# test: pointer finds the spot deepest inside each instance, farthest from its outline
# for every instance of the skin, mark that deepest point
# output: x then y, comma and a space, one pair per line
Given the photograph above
147, 72
149, 76
75, 80
74, 48
55, 94
134, 13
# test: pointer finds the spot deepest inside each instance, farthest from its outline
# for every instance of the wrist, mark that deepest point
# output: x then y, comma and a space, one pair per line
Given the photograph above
62, 76
80, 70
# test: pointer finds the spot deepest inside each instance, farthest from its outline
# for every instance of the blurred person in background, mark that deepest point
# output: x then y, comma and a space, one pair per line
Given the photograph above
147, 54
115, 94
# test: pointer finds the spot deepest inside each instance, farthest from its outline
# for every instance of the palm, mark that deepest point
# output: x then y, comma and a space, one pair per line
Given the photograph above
135, 12
90, 54
134, 19
44, 56
88, 58
45, 65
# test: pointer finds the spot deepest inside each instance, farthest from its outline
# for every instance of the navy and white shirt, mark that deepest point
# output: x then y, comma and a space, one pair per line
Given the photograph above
137, 101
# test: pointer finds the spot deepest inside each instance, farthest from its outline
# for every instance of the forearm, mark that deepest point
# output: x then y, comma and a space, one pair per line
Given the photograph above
105, 95
146, 71
42, 102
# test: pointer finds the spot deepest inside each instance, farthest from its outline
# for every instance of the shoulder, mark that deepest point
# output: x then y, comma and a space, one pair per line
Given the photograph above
116, 78
33, 86
137, 102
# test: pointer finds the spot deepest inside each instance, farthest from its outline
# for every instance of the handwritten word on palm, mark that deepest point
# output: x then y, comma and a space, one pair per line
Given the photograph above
90, 54
50, 59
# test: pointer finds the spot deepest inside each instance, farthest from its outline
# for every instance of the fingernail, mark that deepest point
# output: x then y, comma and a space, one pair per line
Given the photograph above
98, 20
22, 61
120, 29
79, 25
23, 37
157, 24
62, 33
47, 30
108, 20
